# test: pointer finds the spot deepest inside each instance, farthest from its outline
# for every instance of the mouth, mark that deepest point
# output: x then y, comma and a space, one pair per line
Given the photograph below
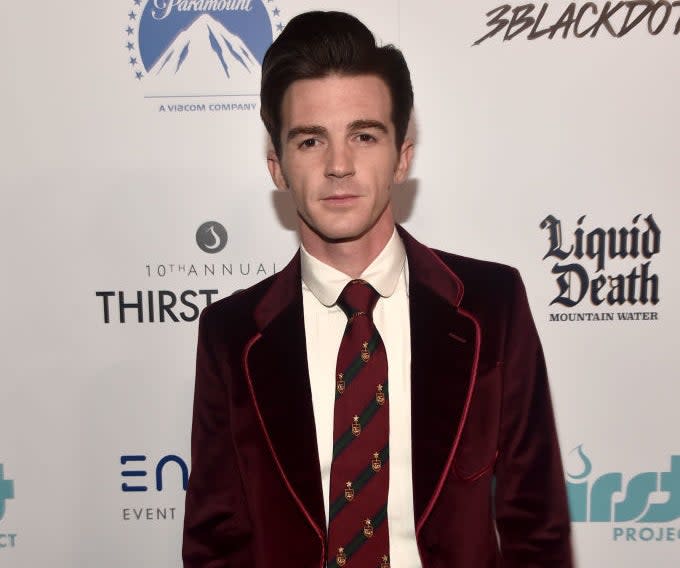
340, 202
340, 198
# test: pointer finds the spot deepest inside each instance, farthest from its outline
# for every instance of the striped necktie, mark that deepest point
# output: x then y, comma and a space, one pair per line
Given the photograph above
357, 530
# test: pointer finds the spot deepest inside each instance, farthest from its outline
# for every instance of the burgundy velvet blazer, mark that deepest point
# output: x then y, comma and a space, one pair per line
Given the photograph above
488, 482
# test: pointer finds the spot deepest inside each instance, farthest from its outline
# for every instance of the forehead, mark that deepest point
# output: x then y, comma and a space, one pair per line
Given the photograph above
336, 99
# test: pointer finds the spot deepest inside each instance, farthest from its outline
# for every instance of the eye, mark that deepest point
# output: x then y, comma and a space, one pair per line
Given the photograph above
364, 137
308, 143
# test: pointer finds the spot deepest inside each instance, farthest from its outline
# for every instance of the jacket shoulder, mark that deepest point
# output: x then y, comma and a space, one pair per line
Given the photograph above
483, 276
236, 309
491, 291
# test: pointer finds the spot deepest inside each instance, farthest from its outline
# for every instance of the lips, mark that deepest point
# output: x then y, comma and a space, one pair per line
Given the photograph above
340, 198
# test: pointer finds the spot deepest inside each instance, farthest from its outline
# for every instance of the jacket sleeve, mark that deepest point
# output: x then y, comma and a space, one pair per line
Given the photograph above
530, 497
216, 522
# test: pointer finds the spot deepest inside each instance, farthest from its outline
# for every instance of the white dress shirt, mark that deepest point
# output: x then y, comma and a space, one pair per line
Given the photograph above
324, 327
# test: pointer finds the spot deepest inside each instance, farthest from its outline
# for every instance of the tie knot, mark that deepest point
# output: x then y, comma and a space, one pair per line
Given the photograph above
358, 297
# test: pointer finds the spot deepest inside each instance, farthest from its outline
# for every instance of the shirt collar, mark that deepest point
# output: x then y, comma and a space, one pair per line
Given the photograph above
326, 282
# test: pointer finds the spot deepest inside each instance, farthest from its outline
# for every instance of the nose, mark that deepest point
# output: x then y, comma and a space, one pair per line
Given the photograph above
340, 162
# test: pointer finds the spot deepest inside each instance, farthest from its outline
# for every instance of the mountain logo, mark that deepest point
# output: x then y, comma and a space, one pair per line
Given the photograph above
200, 47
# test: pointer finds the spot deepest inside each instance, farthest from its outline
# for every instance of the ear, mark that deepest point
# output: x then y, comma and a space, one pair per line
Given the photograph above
274, 166
404, 161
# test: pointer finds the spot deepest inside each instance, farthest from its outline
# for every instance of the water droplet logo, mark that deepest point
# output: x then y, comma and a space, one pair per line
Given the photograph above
211, 237
611, 497
577, 457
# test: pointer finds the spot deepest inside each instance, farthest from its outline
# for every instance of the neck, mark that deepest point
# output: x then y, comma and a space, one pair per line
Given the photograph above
351, 256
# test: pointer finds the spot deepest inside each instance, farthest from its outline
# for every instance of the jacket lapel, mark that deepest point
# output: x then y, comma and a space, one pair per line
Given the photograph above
276, 365
444, 354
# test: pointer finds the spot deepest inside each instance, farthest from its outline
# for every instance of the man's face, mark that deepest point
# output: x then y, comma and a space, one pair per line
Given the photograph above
338, 156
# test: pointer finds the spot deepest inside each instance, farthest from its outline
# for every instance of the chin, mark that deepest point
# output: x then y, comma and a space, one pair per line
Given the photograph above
338, 233
340, 236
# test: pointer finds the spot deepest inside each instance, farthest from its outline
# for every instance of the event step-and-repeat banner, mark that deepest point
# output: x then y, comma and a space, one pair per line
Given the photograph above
135, 193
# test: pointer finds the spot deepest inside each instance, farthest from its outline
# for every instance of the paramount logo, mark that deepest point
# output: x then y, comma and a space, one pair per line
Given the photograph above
163, 8
205, 50
200, 48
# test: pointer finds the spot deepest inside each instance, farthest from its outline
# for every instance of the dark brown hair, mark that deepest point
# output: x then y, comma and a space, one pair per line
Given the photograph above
317, 44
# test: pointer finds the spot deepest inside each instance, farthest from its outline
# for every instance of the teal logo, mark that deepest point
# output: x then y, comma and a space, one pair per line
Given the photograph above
599, 500
6, 491
642, 507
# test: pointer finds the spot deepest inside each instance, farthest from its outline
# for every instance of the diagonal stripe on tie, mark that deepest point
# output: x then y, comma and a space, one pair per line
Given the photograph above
351, 372
358, 484
360, 538
364, 419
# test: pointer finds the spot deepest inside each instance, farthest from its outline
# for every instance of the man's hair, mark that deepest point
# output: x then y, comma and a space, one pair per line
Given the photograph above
317, 44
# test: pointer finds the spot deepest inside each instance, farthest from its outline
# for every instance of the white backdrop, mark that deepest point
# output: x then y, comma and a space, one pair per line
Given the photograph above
109, 167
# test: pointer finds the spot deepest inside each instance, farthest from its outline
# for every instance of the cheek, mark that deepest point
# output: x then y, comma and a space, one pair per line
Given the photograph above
384, 181
298, 185
386, 169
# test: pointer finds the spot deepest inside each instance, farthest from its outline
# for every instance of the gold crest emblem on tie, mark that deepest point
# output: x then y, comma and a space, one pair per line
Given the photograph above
356, 427
365, 353
380, 395
340, 383
376, 464
349, 491
385, 561
341, 557
368, 528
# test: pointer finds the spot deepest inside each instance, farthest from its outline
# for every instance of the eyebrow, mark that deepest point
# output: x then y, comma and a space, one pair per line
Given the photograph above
307, 130
367, 124
362, 124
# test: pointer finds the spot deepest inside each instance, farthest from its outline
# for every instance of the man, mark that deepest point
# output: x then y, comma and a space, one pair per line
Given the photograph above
302, 456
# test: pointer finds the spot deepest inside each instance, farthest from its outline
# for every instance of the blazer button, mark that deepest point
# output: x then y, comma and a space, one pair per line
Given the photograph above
433, 548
